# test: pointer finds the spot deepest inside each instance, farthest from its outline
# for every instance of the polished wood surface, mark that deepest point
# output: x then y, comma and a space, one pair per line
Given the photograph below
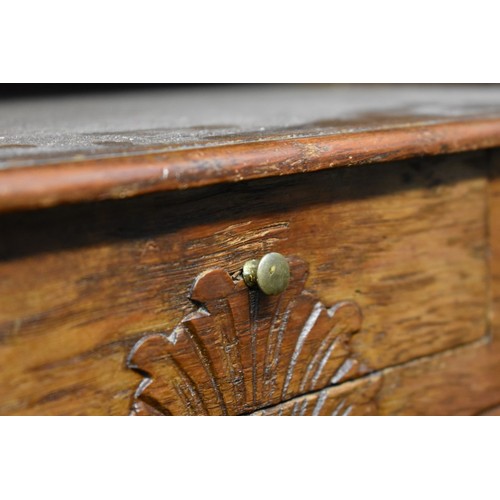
55, 151
37, 131
125, 222
462, 381
82, 285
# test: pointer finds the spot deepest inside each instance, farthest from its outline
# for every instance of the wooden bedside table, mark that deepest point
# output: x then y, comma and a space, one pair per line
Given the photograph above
126, 221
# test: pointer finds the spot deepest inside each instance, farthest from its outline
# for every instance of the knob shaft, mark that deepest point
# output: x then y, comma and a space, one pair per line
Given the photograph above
271, 273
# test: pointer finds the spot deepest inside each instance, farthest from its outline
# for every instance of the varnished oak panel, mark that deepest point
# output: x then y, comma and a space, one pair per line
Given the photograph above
81, 285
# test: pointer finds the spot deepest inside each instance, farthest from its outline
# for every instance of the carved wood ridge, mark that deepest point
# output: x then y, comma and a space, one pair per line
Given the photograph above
240, 350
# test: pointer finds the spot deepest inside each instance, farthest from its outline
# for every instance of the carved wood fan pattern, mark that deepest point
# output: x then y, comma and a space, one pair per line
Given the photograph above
241, 350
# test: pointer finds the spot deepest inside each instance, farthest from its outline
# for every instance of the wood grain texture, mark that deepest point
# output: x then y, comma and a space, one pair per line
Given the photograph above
64, 129
242, 350
81, 285
494, 237
463, 381
129, 176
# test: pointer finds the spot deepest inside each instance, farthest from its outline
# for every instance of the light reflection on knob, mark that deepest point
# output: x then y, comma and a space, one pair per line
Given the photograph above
271, 273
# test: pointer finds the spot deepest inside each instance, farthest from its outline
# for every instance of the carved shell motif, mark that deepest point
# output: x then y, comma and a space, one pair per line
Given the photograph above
241, 350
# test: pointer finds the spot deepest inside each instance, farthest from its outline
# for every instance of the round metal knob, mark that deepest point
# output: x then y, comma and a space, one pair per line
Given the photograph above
271, 273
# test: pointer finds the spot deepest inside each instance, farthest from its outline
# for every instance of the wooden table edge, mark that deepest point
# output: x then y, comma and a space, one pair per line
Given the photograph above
124, 177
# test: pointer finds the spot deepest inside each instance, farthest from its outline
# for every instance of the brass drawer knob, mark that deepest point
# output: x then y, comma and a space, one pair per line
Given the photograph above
271, 273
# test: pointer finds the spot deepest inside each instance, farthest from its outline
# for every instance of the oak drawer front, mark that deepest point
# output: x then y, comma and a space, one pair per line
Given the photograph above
82, 286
